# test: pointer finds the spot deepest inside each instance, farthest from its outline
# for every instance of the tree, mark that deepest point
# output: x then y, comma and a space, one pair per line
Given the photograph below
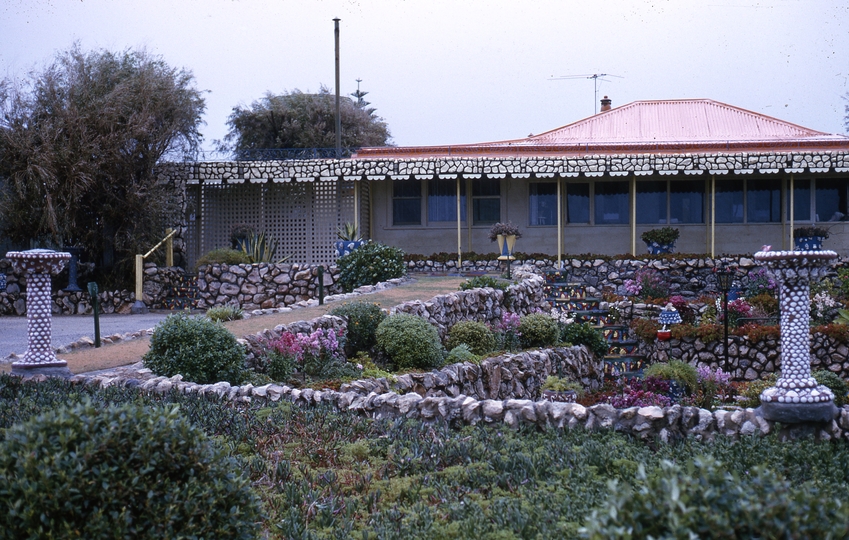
299, 120
78, 144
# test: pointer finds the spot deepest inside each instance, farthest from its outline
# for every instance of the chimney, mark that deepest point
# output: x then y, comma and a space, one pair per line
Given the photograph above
605, 104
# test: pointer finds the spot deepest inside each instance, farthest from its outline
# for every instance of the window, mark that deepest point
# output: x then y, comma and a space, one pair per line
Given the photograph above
831, 199
686, 201
763, 201
406, 202
543, 203
651, 202
442, 200
611, 203
801, 200
578, 203
729, 201
486, 202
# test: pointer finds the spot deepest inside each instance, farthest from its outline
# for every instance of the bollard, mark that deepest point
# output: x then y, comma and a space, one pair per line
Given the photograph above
95, 305
321, 285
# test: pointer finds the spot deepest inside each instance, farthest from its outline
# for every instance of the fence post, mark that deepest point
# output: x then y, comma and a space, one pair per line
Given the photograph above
95, 305
321, 285
169, 248
138, 305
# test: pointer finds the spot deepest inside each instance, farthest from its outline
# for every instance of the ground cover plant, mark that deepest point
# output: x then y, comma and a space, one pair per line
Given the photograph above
321, 474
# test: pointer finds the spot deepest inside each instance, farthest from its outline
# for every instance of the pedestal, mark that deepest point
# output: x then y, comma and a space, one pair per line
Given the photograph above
796, 397
38, 265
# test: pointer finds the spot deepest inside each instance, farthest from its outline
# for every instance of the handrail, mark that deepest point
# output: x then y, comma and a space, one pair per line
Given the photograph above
139, 306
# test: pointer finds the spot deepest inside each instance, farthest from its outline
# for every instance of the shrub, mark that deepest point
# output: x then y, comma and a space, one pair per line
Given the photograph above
462, 353
370, 264
585, 334
646, 329
675, 370
760, 283
647, 284
562, 384
195, 347
223, 256
225, 313
706, 500
410, 341
478, 282
363, 318
750, 392
506, 330
837, 385
120, 471
538, 330
476, 335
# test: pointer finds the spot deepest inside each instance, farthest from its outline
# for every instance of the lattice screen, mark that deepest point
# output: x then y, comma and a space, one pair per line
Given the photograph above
191, 236
302, 216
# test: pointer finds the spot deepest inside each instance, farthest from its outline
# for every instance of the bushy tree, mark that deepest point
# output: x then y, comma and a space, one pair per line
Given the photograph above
299, 120
78, 143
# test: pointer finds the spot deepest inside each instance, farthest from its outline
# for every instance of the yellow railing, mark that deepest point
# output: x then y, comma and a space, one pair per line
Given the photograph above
169, 261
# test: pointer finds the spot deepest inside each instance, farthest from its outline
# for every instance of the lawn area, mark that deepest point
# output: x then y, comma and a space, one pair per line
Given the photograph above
324, 474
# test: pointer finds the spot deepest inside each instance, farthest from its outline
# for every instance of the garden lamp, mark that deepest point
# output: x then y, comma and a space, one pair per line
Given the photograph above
725, 280
669, 315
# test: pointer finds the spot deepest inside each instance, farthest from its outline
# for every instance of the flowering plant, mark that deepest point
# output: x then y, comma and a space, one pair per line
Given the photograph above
641, 393
737, 309
760, 282
714, 388
823, 308
505, 229
647, 283
320, 353
507, 332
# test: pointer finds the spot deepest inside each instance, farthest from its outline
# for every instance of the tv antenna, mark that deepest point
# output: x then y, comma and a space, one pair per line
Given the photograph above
595, 77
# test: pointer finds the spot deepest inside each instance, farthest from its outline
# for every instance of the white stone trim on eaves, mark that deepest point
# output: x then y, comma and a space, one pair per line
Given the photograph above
473, 168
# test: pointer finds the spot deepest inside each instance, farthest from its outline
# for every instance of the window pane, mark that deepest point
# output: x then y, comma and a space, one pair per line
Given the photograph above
486, 201
406, 202
611, 202
686, 201
729, 201
543, 203
651, 202
578, 203
801, 200
442, 200
763, 201
831, 199
486, 211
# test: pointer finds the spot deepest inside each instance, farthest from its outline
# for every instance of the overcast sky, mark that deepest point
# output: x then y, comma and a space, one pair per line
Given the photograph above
455, 71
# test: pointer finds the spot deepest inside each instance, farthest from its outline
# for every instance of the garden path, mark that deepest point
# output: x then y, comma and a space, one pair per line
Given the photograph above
421, 287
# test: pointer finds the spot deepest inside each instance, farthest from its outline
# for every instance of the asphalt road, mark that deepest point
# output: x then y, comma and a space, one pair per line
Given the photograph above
70, 328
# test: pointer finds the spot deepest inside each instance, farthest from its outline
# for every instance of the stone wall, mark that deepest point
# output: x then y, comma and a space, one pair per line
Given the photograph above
259, 286
508, 376
263, 285
748, 360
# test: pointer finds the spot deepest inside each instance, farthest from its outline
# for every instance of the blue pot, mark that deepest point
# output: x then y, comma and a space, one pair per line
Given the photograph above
346, 247
656, 248
808, 243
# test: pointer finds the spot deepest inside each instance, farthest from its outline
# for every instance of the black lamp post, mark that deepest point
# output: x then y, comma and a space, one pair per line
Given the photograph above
725, 279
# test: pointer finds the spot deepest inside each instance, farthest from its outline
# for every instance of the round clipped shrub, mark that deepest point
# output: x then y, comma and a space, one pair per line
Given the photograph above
705, 500
370, 264
410, 342
586, 334
121, 471
196, 348
363, 318
476, 335
538, 330
834, 383
675, 370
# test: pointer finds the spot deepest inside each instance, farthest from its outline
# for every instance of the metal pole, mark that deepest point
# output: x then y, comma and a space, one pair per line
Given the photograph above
95, 306
321, 285
338, 117
633, 220
559, 225
459, 232
725, 311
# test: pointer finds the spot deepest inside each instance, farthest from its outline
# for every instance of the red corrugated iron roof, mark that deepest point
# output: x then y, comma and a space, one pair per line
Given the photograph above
662, 126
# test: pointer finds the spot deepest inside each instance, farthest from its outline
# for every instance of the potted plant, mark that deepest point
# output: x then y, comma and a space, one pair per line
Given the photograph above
349, 239
660, 240
809, 238
506, 235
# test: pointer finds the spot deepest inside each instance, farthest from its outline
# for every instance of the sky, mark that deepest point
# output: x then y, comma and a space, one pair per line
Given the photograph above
457, 71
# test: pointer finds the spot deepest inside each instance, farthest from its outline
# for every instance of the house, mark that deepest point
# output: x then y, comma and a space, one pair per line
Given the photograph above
731, 180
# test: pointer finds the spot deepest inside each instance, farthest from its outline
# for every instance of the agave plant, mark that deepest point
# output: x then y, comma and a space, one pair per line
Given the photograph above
842, 316
349, 232
260, 248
